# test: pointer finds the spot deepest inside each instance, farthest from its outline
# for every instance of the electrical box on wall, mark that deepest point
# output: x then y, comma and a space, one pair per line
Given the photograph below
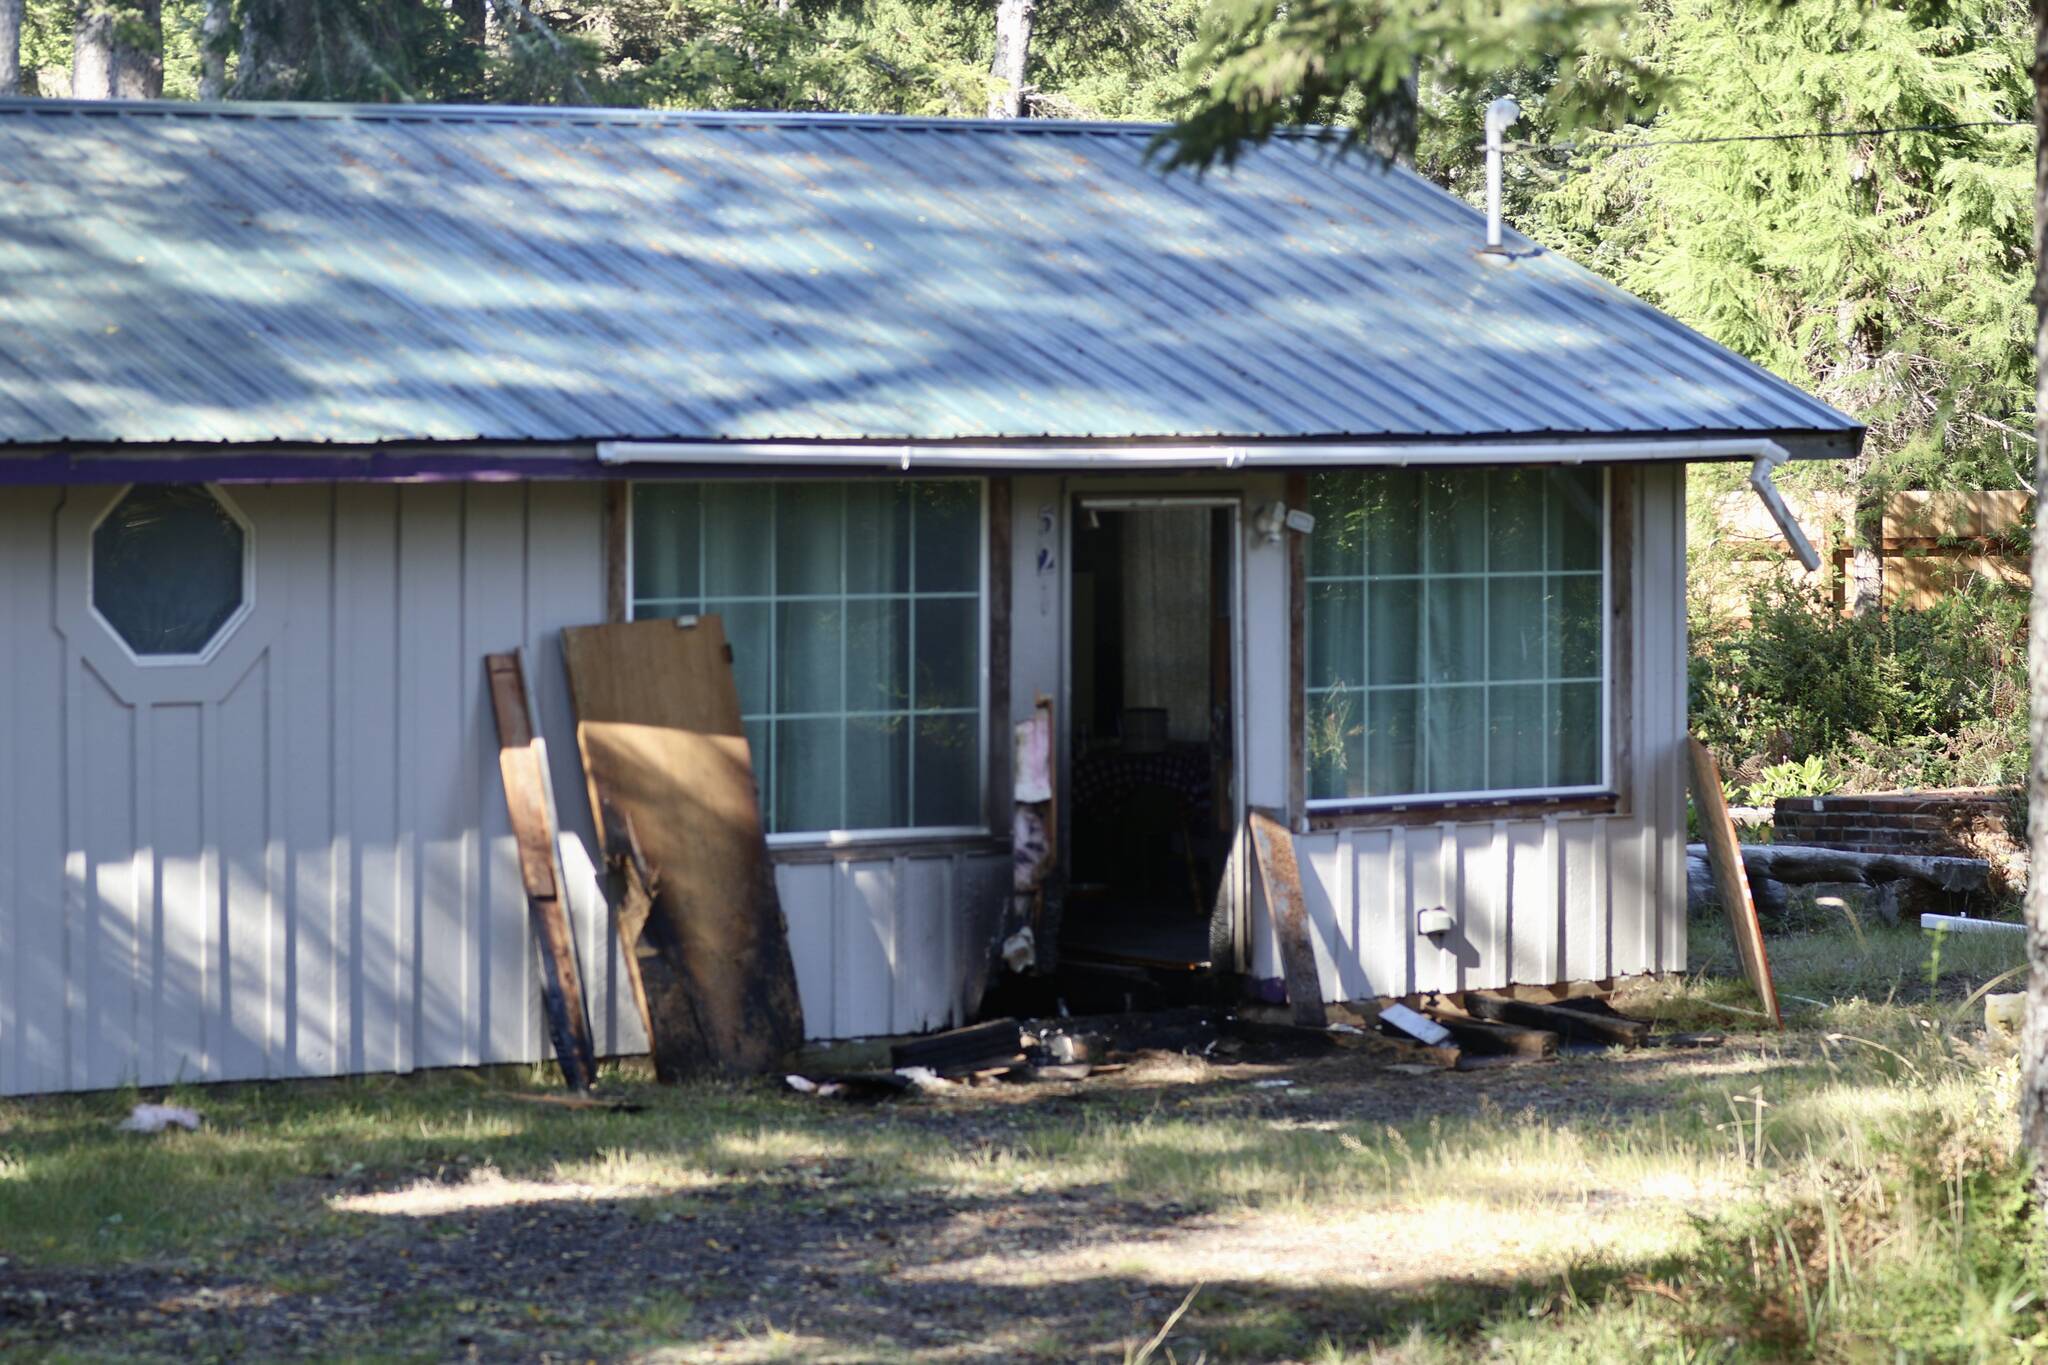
1433, 921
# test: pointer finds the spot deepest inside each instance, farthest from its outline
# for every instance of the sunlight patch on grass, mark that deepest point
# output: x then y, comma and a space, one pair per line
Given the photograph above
486, 1189
766, 1147
1395, 1245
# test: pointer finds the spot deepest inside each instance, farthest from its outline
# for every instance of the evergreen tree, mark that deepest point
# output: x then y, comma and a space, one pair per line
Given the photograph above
1343, 65
1890, 274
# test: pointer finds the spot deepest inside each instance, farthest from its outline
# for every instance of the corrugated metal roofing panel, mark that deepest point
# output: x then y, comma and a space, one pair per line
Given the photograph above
250, 273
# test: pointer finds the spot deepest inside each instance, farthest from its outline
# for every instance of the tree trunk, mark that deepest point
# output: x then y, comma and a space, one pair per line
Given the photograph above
1864, 592
1007, 89
276, 60
10, 47
2034, 1041
1392, 129
117, 49
213, 50
139, 51
92, 51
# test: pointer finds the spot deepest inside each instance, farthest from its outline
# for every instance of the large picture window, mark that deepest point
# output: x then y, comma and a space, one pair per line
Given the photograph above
1456, 637
854, 613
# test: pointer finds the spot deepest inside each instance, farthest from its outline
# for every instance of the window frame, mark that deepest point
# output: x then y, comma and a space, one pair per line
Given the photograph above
227, 629
1602, 793
895, 835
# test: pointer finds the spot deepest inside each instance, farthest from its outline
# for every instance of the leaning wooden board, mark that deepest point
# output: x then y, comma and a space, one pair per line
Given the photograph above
1281, 874
529, 801
658, 724
1731, 878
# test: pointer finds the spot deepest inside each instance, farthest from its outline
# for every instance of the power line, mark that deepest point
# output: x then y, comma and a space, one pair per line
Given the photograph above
1575, 149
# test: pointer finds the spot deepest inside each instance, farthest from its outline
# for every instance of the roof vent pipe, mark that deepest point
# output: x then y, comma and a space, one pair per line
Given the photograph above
1500, 116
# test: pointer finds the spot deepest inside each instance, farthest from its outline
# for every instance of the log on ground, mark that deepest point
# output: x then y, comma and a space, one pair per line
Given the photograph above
1801, 864
1574, 1025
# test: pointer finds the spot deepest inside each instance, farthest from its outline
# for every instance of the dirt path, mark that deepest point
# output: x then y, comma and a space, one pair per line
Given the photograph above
821, 1264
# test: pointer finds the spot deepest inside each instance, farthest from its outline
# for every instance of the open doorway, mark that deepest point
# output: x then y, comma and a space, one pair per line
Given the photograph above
1152, 740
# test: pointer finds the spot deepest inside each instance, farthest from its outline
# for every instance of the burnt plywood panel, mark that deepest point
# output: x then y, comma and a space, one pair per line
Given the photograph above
658, 725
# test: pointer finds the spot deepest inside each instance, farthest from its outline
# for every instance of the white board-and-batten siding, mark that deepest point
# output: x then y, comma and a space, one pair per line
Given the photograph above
294, 859
1574, 896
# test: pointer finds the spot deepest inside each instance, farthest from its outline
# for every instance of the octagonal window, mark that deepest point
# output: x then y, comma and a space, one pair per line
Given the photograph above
169, 569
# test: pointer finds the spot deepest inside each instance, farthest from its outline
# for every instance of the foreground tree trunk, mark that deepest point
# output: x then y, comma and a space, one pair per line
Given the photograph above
2034, 1042
1007, 89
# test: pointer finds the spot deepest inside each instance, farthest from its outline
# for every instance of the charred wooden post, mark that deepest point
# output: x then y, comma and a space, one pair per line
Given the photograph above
530, 803
1281, 875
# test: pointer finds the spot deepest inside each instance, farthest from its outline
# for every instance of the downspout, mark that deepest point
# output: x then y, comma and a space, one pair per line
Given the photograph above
1769, 457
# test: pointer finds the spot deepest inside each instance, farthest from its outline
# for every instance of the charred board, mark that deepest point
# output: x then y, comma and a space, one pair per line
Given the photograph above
1484, 1039
963, 1051
1280, 873
1578, 1025
530, 806
658, 723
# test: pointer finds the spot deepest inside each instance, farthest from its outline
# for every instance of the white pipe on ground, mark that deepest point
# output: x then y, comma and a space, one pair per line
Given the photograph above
1956, 924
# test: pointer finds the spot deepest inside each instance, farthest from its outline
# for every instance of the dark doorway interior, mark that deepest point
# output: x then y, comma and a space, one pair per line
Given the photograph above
1149, 771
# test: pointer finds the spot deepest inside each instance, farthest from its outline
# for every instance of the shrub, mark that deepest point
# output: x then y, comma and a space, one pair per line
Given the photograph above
1926, 698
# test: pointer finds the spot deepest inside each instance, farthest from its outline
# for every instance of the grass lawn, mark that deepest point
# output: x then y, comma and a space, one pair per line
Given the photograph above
1845, 1190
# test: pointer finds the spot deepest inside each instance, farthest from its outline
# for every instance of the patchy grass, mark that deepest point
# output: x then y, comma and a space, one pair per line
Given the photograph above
1845, 1190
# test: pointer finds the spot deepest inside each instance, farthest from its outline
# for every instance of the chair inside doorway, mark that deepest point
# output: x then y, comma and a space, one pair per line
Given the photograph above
1152, 739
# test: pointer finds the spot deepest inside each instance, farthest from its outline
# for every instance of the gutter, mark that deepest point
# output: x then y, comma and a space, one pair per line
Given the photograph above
909, 456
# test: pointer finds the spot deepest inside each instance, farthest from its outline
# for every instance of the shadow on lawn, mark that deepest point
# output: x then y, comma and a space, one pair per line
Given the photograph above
435, 1219
682, 1276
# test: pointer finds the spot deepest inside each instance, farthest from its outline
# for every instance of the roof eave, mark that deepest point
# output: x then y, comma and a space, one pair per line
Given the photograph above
484, 460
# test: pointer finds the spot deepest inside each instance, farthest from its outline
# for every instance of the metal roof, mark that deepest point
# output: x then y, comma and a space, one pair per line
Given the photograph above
174, 273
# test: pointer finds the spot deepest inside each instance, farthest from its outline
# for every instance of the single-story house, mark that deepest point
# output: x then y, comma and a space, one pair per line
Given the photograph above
1283, 490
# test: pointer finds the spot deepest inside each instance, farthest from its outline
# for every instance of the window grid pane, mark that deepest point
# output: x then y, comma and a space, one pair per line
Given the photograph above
1452, 644
843, 741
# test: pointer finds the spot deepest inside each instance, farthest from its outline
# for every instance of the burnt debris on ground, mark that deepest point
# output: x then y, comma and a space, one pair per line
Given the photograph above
1481, 1030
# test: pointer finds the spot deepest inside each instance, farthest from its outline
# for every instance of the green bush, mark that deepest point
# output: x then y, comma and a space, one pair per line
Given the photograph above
1928, 698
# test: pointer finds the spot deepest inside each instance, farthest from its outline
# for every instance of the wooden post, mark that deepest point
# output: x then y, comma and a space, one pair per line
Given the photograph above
1730, 877
530, 802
